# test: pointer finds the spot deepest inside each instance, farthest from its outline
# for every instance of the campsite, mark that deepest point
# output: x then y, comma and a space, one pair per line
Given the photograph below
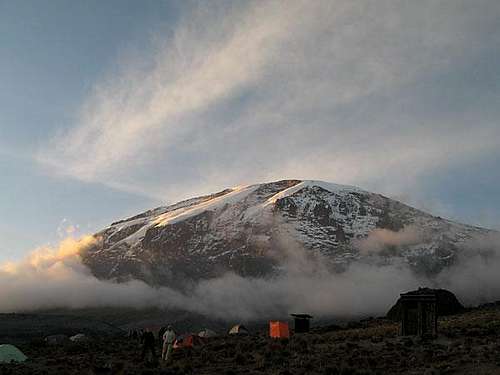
254, 187
468, 342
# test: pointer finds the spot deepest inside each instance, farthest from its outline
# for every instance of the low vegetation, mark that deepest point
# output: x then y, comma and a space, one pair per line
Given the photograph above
467, 343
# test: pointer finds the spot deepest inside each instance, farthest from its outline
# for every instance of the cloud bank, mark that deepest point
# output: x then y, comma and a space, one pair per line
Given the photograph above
353, 92
56, 278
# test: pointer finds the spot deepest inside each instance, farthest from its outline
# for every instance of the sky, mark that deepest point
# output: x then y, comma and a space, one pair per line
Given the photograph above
109, 108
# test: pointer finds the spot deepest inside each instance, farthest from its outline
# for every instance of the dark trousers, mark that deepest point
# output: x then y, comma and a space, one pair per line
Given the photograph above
148, 347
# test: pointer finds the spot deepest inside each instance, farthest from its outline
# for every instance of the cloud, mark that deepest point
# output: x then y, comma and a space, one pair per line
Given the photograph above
56, 277
353, 92
192, 71
379, 239
475, 275
67, 229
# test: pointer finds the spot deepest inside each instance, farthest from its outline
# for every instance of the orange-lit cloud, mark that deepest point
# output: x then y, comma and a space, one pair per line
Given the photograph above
51, 261
379, 239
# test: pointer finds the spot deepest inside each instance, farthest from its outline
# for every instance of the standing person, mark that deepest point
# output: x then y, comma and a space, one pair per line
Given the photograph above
160, 335
148, 344
168, 343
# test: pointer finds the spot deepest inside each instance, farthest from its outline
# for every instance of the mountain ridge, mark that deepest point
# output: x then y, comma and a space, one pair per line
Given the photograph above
241, 230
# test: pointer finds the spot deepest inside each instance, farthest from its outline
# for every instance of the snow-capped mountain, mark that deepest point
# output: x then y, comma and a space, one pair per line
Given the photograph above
248, 229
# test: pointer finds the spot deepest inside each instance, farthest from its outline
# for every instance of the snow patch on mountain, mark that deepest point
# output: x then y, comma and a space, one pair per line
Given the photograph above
172, 217
333, 188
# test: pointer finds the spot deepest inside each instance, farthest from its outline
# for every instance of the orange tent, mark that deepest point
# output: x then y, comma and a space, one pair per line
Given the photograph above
278, 330
187, 341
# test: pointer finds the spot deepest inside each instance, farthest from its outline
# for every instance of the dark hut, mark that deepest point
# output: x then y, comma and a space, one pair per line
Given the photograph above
446, 303
302, 322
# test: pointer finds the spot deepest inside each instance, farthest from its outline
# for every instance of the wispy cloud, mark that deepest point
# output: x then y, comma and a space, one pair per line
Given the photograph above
334, 90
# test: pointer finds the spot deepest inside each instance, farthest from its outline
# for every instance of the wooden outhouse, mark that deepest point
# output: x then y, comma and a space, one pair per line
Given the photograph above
418, 315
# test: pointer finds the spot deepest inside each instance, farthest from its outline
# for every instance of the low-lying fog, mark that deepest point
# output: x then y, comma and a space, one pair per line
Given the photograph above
56, 278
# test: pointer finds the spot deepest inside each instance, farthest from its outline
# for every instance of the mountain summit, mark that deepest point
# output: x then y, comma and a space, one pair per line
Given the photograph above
249, 230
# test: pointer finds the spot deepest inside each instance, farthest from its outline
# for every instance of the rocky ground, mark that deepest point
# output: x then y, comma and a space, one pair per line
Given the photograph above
468, 343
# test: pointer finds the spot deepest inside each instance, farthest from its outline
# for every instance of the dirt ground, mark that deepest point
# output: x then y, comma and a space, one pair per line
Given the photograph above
467, 344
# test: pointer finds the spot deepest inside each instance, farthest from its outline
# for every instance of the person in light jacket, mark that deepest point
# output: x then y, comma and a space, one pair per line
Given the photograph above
168, 343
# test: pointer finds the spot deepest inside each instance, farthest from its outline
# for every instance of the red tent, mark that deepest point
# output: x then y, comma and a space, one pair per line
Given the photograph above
187, 341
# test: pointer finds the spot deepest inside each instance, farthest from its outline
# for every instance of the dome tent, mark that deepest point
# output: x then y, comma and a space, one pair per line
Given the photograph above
9, 353
239, 329
57, 340
188, 340
207, 333
80, 338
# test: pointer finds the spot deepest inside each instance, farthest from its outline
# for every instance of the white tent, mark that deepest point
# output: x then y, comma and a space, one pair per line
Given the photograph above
206, 333
79, 338
239, 329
